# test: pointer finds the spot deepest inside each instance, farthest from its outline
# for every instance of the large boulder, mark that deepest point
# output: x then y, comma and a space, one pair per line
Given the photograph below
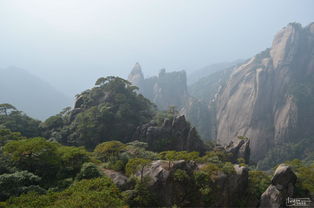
282, 187
162, 183
175, 134
231, 186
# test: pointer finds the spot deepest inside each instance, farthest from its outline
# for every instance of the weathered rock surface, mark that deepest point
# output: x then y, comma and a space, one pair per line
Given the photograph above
175, 134
232, 186
258, 100
229, 187
136, 76
166, 89
282, 187
161, 181
198, 113
170, 89
117, 178
239, 149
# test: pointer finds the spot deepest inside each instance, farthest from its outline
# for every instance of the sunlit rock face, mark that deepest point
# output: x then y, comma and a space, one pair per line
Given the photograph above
261, 99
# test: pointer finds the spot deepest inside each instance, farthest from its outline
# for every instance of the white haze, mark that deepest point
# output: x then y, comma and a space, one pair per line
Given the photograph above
70, 43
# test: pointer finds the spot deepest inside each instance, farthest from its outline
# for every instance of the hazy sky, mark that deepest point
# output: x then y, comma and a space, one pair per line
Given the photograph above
71, 43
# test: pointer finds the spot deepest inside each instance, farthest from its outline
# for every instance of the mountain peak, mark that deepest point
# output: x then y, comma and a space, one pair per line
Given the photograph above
136, 76
286, 43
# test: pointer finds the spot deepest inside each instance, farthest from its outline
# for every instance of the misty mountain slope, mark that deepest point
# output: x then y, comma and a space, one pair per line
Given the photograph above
206, 71
30, 94
166, 89
207, 87
270, 98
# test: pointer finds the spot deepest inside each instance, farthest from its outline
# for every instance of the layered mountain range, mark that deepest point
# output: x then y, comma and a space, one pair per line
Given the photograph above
268, 98
30, 93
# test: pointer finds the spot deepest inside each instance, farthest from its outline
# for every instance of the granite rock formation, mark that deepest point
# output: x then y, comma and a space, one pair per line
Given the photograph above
282, 187
229, 187
239, 149
166, 89
268, 98
170, 89
232, 186
176, 134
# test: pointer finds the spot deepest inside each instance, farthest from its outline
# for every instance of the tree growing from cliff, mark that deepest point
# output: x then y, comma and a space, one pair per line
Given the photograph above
170, 114
5, 107
137, 164
168, 155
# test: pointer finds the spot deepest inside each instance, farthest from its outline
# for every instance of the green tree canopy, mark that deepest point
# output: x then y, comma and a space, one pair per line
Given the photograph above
36, 155
93, 193
109, 151
137, 164
112, 110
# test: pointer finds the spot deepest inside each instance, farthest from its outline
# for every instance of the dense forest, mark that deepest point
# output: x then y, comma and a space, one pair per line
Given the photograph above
93, 155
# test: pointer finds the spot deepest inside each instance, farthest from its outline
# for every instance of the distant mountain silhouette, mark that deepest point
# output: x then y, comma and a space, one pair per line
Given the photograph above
30, 94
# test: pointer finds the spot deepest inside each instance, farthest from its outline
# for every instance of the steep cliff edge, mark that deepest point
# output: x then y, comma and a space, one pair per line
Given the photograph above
166, 89
170, 89
174, 134
268, 98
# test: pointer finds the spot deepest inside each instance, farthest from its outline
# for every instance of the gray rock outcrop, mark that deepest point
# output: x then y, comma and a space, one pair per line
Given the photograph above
238, 149
232, 186
117, 178
161, 182
166, 89
170, 89
282, 187
176, 134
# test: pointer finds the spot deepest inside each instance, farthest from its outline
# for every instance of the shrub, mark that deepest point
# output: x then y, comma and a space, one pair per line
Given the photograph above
17, 183
89, 170
93, 193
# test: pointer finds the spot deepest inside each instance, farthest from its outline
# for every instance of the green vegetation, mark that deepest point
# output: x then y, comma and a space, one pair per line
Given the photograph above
170, 114
17, 183
303, 150
89, 170
49, 160
17, 121
305, 174
94, 141
110, 111
93, 193
137, 164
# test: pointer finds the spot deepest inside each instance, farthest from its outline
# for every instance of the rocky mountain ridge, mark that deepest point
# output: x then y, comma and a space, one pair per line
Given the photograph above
257, 101
170, 89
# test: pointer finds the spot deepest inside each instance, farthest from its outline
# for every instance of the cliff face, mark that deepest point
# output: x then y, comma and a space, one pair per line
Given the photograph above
266, 98
175, 134
170, 89
166, 89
